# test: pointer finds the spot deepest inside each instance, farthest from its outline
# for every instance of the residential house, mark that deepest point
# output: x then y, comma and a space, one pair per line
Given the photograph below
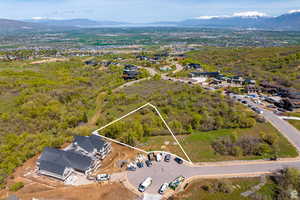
165, 69
129, 75
60, 164
130, 72
194, 66
142, 57
83, 155
205, 74
91, 63
237, 80
251, 89
92, 146
250, 82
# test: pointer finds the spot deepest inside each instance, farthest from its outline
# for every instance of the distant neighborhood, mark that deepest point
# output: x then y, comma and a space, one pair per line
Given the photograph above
286, 98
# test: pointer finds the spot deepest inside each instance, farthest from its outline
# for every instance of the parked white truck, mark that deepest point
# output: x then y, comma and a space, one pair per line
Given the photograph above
145, 184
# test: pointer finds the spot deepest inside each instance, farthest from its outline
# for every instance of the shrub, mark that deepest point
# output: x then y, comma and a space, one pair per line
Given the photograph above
224, 187
17, 186
269, 138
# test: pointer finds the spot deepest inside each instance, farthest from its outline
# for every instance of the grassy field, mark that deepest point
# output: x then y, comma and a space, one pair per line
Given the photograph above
195, 191
199, 149
293, 114
268, 190
295, 123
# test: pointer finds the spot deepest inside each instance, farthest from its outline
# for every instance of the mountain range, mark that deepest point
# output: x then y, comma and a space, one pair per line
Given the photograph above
80, 23
289, 21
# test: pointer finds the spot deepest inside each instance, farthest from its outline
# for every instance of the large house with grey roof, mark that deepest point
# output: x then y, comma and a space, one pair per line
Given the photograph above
93, 146
84, 155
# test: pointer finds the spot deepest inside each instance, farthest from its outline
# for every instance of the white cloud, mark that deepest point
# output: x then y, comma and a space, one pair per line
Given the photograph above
294, 11
249, 14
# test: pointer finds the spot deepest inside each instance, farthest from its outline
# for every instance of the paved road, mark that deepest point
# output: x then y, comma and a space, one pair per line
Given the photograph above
165, 172
289, 131
286, 129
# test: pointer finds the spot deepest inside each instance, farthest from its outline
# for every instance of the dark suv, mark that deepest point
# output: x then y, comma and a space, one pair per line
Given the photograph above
178, 160
168, 158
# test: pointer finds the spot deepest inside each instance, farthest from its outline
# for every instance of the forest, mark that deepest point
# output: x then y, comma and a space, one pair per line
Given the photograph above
40, 104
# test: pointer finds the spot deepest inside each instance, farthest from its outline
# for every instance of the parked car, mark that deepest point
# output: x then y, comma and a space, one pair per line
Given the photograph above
168, 158
271, 106
174, 184
145, 184
102, 177
281, 110
163, 188
148, 163
277, 112
159, 157
244, 102
131, 168
140, 164
151, 157
178, 160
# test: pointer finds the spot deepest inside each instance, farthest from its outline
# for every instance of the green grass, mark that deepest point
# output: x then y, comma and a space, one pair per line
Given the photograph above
195, 192
293, 114
295, 123
199, 149
268, 190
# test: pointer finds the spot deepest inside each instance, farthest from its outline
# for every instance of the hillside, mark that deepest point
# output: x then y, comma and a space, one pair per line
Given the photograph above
278, 65
40, 104
184, 107
80, 23
7, 25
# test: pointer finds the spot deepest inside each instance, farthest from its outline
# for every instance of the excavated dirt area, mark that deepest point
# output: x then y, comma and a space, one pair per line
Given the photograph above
43, 187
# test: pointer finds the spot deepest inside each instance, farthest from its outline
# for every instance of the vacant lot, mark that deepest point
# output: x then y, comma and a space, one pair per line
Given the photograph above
204, 189
185, 108
198, 145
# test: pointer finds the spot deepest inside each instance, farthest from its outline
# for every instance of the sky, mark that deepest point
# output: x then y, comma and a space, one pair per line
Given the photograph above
141, 10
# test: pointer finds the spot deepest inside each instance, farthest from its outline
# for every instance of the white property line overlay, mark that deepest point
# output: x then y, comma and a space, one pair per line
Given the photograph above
157, 111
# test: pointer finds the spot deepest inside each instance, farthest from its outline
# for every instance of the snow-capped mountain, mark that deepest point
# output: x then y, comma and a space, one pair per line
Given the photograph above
250, 19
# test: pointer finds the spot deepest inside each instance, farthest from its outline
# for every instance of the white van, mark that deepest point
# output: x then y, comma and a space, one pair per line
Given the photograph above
144, 185
159, 157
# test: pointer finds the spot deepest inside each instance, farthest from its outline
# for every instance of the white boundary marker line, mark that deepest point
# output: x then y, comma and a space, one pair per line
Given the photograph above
157, 111
171, 132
